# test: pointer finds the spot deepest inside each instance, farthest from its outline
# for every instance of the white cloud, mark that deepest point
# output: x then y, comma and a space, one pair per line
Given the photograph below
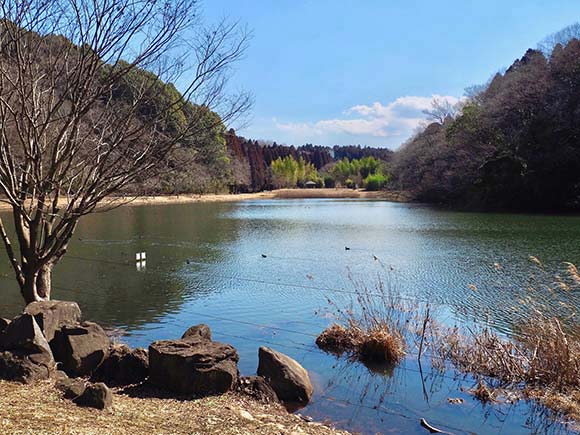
396, 119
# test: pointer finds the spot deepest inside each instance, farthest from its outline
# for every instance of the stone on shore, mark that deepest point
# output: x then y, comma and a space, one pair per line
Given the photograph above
25, 354
25, 368
71, 388
24, 334
258, 388
191, 367
124, 366
286, 376
196, 332
80, 349
95, 396
3, 324
51, 316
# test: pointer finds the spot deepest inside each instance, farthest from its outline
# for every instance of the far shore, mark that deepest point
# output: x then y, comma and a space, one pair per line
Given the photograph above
273, 194
338, 193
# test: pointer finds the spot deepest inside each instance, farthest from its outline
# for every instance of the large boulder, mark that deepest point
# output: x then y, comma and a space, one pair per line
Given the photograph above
24, 334
27, 356
286, 376
51, 316
192, 367
80, 349
197, 332
124, 366
95, 396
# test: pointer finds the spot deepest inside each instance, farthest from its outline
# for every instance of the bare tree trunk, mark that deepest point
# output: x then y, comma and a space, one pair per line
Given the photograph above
28, 290
37, 284
44, 282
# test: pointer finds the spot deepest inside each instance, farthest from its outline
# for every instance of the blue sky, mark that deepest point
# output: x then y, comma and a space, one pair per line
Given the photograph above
360, 72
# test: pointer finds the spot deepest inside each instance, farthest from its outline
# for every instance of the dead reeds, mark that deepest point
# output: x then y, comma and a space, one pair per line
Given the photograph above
372, 328
541, 360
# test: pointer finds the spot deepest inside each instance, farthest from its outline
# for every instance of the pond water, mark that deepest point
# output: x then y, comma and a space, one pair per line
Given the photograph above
261, 273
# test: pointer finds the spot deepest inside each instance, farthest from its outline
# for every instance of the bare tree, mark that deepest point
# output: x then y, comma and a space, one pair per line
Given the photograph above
67, 144
547, 45
440, 110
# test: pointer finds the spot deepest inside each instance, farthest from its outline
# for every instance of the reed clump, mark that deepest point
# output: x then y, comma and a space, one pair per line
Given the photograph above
371, 329
379, 344
540, 361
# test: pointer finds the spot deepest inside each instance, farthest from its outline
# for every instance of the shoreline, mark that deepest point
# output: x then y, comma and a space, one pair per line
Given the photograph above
333, 193
269, 195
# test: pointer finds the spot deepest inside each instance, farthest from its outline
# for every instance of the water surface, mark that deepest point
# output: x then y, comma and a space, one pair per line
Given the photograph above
261, 273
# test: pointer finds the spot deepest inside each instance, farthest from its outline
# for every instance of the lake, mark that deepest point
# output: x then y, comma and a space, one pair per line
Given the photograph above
261, 273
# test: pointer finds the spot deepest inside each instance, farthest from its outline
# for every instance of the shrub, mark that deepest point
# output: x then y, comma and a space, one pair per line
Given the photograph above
350, 184
375, 182
329, 182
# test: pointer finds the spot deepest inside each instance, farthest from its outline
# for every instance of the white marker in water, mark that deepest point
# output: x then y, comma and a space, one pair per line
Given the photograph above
140, 258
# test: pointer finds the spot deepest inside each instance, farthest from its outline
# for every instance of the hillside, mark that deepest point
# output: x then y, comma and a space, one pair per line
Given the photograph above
515, 144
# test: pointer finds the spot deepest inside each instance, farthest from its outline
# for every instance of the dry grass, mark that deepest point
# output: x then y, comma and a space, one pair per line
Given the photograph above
379, 344
341, 193
372, 327
483, 393
39, 409
541, 361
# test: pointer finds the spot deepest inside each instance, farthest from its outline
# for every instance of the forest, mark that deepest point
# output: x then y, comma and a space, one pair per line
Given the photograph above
514, 144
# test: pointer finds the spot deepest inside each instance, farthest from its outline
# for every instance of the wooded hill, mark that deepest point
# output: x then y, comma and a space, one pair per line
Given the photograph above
514, 145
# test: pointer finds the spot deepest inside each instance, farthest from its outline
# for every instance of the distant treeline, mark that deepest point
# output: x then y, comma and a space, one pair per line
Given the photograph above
252, 160
513, 145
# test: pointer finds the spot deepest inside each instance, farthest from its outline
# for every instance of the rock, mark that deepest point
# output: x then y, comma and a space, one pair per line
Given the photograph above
257, 388
242, 413
24, 334
124, 366
22, 367
191, 367
96, 396
80, 349
198, 331
287, 377
51, 316
27, 357
72, 388
3, 324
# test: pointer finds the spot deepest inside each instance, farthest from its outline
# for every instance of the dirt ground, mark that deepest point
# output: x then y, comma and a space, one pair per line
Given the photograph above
39, 409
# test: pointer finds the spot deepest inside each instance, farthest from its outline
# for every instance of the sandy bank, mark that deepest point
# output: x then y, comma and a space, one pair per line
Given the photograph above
275, 194
39, 409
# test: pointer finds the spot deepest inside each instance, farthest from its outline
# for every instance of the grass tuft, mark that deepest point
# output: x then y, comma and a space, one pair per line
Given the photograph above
371, 329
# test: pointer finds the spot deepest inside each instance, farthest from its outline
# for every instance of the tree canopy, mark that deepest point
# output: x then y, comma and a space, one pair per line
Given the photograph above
514, 145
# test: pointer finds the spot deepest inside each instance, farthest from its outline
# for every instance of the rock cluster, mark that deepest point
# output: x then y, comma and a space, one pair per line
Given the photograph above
49, 340
49, 335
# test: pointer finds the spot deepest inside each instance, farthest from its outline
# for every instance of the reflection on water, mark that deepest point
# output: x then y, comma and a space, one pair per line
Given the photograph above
260, 273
